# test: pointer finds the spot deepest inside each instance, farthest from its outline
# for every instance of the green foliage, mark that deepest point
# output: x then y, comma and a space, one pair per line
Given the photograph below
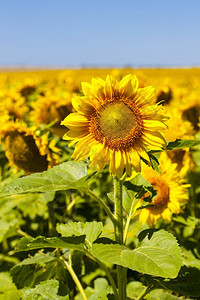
8, 290
157, 255
177, 144
69, 175
61, 196
90, 229
43, 291
76, 243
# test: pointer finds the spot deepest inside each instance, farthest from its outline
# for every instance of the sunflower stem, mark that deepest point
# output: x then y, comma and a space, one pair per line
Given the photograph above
75, 278
121, 271
109, 276
103, 204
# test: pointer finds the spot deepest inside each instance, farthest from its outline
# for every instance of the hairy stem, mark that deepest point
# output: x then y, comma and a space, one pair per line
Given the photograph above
110, 278
121, 271
76, 280
103, 204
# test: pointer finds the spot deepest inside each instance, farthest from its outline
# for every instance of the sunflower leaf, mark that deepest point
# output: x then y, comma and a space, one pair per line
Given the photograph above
48, 289
8, 290
177, 144
157, 255
76, 243
69, 175
91, 229
154, 162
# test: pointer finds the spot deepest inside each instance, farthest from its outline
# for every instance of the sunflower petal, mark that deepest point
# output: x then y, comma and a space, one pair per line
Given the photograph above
135, 160
82, 105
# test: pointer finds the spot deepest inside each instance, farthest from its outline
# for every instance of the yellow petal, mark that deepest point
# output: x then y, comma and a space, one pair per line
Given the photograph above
154, 138
109, 86
82, 149
75, 120
86, 88
145, 95
82, 105
119, 163
126, 87
142, 152
71, 134
100, 159
135, 83
112, 162
127, 164
154, 124
135, 160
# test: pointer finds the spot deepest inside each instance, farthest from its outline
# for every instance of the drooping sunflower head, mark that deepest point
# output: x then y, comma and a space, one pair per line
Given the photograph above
190, 109
115, 123
25, 150
171, 192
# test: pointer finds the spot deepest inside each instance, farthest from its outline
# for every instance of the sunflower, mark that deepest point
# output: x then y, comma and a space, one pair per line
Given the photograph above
115, 123
190, 108
182, 157
53, 107
13, 103
25, 150
171, 192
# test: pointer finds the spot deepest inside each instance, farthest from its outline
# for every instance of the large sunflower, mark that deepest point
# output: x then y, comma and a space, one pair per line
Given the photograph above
171, 192
115, 123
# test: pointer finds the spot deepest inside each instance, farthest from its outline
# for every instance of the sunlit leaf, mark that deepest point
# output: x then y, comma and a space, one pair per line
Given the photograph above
26, 243
69, 175
39, 258
158, 255
45, 290
177, 144
91, 229
8, 290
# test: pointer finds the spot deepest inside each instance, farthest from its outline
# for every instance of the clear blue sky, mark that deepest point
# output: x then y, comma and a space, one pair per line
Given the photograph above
73, 33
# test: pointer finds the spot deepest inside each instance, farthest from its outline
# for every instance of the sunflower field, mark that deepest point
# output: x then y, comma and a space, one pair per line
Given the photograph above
100, 184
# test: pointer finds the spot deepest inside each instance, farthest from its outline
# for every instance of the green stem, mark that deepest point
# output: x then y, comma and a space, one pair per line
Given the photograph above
121, 271
130, 216
103, 204
144, 292
51, 220
110, 278
76, 280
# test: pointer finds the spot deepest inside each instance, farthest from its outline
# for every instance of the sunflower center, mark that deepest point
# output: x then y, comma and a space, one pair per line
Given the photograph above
162, 190
22, 150
117, 124
116, 120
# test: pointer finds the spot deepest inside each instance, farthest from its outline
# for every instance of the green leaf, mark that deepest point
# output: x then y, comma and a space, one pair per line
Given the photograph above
177, 144
134, 289
190, 260
47, 290
107, 250
138, 187
140, 181
187, 283
26, 244
39, 258
91, 229
8, 290
158, 255
160, 294
154, 162
69, 175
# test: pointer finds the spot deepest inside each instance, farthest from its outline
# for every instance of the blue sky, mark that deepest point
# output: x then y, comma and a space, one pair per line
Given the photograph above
75, 33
